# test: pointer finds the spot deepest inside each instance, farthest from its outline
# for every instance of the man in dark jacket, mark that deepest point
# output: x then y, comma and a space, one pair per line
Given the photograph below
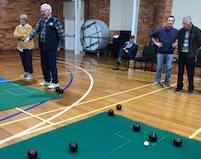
189, 40
51, 39
127, 51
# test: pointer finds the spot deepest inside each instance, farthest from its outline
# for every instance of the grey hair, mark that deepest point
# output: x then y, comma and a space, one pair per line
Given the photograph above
46, 6
187, 18
23, 17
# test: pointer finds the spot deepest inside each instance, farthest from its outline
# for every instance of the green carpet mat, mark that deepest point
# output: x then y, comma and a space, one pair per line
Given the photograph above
16, 95
104, 137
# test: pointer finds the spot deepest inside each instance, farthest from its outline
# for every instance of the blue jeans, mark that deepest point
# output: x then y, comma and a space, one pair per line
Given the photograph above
167, 60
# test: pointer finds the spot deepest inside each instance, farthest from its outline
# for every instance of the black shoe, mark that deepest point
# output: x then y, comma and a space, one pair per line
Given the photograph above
190, 92
115, 67
119, 62
178, 89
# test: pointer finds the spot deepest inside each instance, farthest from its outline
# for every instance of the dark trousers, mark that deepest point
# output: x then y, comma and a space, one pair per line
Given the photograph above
124, 55
190, 67
49, 65
26, 58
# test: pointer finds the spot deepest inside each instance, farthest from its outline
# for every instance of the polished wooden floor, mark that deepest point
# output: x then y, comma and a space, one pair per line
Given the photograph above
103, 88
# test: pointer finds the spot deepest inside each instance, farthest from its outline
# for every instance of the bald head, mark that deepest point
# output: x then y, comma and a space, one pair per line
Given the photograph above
187, 23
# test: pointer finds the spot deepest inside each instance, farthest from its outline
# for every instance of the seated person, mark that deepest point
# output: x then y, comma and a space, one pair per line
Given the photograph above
127, 51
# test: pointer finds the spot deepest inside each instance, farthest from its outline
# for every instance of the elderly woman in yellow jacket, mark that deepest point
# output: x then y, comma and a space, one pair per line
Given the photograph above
25, 50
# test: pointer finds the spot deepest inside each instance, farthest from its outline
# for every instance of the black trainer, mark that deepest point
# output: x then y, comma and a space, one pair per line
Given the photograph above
190, 92
178, 89
116, 66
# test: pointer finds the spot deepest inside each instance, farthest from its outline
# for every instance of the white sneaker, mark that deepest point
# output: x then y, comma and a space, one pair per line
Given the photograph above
24, 75
166, 85
44, 83
29, 77
53, 85
155, 84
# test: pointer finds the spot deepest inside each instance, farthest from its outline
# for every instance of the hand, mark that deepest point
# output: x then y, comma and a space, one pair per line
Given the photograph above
58, 49
126, 51
159, 44
23, 38
27, 39
174, 45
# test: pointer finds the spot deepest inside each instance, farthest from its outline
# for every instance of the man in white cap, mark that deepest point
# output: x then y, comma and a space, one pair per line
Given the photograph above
51, 39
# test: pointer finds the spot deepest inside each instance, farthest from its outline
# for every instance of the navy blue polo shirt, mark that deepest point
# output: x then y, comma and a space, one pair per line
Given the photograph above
167, 37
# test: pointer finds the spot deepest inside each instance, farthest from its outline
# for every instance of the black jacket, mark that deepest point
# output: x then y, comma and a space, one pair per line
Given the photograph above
194, 41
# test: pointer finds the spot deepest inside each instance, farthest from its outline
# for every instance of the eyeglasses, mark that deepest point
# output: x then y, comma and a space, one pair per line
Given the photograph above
44, 10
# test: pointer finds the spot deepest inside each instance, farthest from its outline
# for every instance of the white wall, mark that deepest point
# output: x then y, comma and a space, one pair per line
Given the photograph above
120, 14
183, 8
70, 34
69, 10
69, 16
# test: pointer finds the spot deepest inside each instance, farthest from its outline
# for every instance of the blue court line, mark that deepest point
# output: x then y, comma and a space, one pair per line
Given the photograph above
39, 104
3, 80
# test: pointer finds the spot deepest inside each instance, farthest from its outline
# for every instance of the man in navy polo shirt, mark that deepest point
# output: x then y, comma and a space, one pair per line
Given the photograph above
51, 39
165, 39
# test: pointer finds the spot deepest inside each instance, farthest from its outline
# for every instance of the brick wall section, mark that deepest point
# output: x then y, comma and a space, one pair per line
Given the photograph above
164, 9
9, 17
145, 22
97, 9
94, 9
152, 15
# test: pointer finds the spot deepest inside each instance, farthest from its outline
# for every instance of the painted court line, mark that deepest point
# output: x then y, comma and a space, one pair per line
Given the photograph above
89, 70
82, 115
89, 101
18, 113
39, 104
24, 132
8, 117
195, 133
33, 116
111, 105
106, 107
